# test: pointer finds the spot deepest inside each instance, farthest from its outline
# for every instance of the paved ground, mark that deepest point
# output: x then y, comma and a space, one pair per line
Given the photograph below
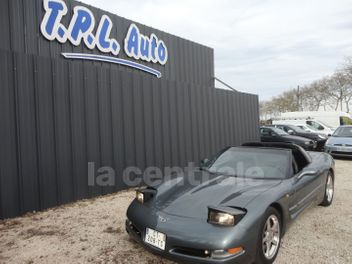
93, 231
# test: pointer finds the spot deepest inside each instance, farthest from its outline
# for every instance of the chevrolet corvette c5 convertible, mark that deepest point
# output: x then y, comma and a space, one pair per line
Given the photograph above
237, 206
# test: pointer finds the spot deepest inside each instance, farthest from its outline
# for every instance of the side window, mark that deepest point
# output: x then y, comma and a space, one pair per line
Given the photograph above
294, 165
299, 160
315, 125
265, 132
342, 122
284, 128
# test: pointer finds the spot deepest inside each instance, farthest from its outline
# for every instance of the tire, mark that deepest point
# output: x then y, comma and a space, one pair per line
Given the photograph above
269, 243
329, 190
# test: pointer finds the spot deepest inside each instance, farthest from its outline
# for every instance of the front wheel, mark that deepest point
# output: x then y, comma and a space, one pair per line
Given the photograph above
269, 237
329, 190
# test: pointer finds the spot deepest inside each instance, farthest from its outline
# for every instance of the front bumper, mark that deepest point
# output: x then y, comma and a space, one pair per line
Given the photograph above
339, 151
311, 146
321, 144
187, 250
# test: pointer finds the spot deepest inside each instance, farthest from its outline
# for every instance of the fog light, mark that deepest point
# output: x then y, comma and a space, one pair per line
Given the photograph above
220, 253
140, 196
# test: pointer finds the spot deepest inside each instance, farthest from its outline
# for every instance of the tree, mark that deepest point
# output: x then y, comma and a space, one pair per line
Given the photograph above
327, 92
347, 71
339, 88
316, 95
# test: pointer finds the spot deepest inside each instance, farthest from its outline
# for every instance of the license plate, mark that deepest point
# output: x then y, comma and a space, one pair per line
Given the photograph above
155, 238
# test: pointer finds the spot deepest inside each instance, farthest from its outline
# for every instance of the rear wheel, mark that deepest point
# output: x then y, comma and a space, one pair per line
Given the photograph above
269, 237
329, 190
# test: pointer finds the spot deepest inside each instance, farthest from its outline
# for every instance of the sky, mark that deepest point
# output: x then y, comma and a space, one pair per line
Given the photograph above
261, 46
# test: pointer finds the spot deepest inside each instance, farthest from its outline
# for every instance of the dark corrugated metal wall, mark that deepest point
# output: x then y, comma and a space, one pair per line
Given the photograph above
57, 115
20, 31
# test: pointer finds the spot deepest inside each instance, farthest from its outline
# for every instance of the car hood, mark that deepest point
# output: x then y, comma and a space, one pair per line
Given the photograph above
308, 135
339, 140
192, 200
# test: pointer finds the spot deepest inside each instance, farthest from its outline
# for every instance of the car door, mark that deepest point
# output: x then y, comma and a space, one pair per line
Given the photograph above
305, 189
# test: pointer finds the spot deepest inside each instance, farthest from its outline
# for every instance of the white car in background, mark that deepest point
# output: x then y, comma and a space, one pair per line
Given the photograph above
329, 118
307, 128
312, 124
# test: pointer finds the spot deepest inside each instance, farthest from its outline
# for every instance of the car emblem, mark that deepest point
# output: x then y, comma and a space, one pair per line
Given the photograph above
162, 219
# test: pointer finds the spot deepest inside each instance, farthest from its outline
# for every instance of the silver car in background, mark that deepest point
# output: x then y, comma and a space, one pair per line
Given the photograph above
340, 143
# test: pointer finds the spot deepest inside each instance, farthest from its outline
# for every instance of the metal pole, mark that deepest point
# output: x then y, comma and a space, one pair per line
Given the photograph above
228, 86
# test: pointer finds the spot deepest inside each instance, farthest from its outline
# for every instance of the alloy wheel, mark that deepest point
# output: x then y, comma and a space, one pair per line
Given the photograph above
330, 188
271, 237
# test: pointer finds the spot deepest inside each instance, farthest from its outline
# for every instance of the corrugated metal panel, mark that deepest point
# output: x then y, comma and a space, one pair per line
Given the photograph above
27, 137
63, 137
45, 133
79, 129
9, 167
21, 20
57, 115
117, 129
5, 40
61, 115
92, 129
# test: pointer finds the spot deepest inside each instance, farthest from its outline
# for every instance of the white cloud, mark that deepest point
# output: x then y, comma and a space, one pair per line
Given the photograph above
261, 47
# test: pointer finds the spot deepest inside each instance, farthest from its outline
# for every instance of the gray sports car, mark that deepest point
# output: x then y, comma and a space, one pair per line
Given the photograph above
235, 208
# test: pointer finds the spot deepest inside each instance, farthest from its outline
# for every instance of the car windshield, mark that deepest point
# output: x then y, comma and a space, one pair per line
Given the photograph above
279, 131
325, 124
343, 132
297, 129
310, 127
263, 163
306, 129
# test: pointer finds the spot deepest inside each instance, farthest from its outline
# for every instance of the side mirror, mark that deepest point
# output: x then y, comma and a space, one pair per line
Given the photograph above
204, 162
291, 132
307, 173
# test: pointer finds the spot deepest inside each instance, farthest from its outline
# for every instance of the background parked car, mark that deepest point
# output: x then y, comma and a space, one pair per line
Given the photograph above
296, 131
308, 128
330, 118
316, 124
340, 143
273, 134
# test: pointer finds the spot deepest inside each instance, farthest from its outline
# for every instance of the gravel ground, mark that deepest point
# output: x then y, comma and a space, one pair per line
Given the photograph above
93, 231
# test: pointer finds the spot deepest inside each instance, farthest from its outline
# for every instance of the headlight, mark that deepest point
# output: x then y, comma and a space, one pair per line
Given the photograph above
225, 216
307, 142
321, 137
144, 194
221, 218
140, 196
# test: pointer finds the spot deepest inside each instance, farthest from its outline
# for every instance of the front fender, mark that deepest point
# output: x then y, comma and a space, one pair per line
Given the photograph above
277, 197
